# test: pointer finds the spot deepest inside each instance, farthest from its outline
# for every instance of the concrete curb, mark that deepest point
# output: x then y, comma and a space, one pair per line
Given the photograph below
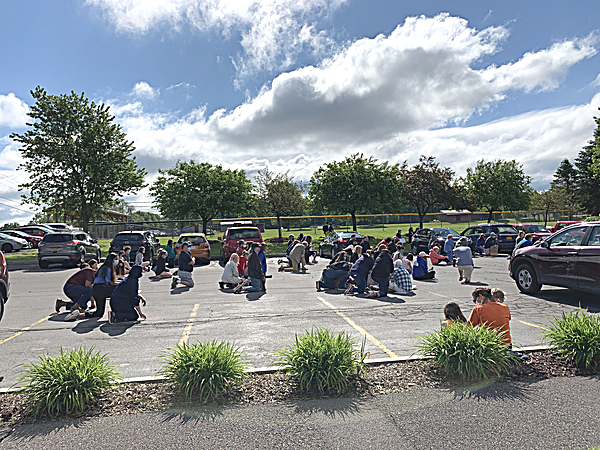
272, 369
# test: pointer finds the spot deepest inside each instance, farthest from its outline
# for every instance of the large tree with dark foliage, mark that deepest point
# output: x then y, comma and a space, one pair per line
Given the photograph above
78, 159
588, 174
565, 179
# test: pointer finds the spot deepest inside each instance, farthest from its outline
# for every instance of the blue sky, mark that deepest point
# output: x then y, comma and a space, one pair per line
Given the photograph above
290, 85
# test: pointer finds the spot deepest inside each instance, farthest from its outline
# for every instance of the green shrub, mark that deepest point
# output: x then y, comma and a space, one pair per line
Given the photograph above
66, 383
322, 359
467, 352
576, 336
204, 368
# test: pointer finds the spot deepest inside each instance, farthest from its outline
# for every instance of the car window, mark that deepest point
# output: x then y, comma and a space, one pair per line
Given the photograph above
476, 230
537, 228
128, 238
505, 229
594, 240
194, 240
57, 238
244, 234
569, 238
81, 237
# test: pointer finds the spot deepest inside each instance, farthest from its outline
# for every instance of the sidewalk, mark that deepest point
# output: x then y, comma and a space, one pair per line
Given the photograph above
558, 413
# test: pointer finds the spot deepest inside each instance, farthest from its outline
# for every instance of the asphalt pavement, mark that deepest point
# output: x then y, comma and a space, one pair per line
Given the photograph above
554, 414
261, 323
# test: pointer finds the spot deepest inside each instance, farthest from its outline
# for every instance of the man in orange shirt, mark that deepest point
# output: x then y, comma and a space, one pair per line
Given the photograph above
488, 311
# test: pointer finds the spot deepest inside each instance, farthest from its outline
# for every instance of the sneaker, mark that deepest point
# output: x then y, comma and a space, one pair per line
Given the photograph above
453, 263
73, 315
59, 304
221, 285
111, 317
238, 288
174, 283
372, 294
460, 278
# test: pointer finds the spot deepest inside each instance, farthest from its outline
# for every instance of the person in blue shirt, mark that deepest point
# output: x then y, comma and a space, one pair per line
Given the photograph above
420, 270
104, 285
359, 272
480, 244
449, 247
263, 257
526, 242
125, 300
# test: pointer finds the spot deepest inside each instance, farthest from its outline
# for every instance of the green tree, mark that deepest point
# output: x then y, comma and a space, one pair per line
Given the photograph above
191, 190
9, 226
77, 158
565, 179
357, 185
428, 186
278, 195
498, 185
588, 176
594, 146
549, 200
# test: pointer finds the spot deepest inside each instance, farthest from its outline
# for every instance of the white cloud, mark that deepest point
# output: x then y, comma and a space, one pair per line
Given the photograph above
13, 111
596, 82
143, 90
272, 33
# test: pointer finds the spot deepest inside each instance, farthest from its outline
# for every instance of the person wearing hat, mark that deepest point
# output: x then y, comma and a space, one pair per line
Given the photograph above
491, 245
255, 273
186, 266
464, 260
420, 270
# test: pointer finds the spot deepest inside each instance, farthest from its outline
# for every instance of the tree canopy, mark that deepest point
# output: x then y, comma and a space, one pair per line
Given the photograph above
77, 158
498, 185
357, 185
191, 190
565, 179
278, 195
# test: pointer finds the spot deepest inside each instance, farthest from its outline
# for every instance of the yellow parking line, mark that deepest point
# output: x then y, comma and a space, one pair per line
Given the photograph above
361, 330
532, 324
186, 332
444, 296
23, 330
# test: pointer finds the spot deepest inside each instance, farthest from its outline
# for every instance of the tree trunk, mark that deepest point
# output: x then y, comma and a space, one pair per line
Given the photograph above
279, 225
491, 216
353, 221
421, 218
204, 224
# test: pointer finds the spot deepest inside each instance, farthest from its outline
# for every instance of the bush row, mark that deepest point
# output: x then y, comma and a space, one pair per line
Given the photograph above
318, 360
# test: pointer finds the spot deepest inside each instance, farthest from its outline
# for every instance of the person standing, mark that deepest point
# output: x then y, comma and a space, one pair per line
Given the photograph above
449, 248
186, 267
382, 269
126, 298
325, 229
171, 255
464, 260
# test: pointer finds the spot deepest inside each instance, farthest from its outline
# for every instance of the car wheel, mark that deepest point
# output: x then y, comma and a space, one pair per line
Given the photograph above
7, 248
79, 260
526, 279
43, 264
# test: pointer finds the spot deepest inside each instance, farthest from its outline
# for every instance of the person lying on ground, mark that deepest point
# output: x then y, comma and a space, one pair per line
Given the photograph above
453, 314
230, 277
126, 298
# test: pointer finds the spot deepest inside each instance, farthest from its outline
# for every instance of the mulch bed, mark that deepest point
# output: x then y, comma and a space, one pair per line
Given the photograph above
271, 388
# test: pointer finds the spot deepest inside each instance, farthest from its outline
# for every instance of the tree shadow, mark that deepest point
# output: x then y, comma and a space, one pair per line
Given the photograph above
195, 414
337, 407
495, 390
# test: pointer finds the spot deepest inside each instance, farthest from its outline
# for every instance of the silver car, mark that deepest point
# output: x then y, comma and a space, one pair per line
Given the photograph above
10, 243
69, 249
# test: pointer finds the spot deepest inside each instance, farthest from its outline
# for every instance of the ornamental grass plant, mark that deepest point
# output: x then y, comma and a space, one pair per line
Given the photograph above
576, 336
66, 383
466, 352
204, 369
322, 359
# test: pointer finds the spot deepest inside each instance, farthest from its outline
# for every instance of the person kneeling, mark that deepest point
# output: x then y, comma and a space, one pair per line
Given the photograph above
436, 258
161, 270
125, 299
230, 277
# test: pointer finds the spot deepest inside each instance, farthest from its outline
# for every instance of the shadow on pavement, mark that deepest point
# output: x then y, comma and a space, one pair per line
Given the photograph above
494, 391
253, 296
116, 329
332, 407
571, 298
86, 325
194, 414
179, 290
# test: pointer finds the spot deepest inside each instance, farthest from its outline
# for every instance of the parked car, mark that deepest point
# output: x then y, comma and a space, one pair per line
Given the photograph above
421, 238
538, 231
68, 249
9, 243
135, 240
505, 233
336, 241
564, 223
36, 230
569, 258
4, 284
234, 234
58, 226
199, 246
33, 240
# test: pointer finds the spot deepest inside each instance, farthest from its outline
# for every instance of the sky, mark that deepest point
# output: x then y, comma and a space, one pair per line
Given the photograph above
290, 85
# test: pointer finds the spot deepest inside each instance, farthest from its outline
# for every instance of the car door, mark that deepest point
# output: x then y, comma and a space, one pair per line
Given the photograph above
588, 263
558, 261
81, 237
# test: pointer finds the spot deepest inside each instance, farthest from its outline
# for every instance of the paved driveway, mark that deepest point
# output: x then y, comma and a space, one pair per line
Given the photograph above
260, 323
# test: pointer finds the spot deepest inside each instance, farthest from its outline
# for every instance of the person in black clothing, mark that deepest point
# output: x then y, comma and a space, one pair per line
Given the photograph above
186, 266
392, 246
381, 272
399, 234
365, 244
325, 229
411, 233
255, 273
125, 299
160, 269
105, 283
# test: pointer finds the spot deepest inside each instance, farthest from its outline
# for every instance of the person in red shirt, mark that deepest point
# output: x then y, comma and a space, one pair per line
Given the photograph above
243, 264
435, 257
491, 313
78, 288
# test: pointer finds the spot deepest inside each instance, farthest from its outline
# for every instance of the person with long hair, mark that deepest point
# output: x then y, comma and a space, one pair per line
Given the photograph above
491, 313
104, 284
126, 298
453, 314
230, 277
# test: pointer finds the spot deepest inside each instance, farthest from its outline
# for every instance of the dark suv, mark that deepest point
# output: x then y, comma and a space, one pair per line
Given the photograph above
420, 240
569, 258
505, 233
135, 240
67, 248
4, 284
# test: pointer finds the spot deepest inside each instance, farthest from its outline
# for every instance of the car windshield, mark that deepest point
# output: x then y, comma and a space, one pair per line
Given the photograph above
570, 237
506, 229
5, 236
194, 240
244, 233
129, 238
57, 238
537, 228
347, 235
444, 232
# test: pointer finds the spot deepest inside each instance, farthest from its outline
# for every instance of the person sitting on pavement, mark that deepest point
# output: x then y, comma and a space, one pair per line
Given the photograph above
526, 241
381, 272
123, 266
449, 248
230, 277
407, 263
498, 295
360, 272
78, 289
420, 270
464, 260
356, 254
365, 244
391, 245
255, 273
436, 258
480, 244
161, 270
491, 313
490, 243
241, 247
139, 259
125, 299
310, 251
104, 285
453, 314
400, 279
186, 267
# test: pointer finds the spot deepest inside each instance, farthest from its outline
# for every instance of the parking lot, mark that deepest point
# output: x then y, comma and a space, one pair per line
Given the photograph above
260, 323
